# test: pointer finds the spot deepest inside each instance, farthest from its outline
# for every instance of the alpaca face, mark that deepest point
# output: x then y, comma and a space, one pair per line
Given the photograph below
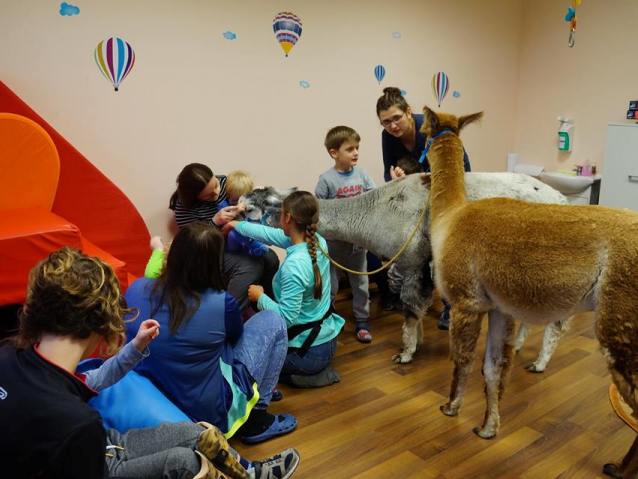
263, 205
435, 123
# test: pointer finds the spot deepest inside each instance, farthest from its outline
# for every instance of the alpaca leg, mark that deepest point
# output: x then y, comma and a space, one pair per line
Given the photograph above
496, 365
628, 467
523, 332
551, 337
410, 339
416, 296
465, 328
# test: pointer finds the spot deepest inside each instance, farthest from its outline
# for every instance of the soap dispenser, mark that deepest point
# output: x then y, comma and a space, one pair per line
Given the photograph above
565, 134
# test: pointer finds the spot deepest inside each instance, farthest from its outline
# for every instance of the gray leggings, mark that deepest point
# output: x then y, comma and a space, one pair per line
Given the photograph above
166, 452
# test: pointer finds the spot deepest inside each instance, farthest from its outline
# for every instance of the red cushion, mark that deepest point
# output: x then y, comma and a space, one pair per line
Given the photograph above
26, 237
30, 235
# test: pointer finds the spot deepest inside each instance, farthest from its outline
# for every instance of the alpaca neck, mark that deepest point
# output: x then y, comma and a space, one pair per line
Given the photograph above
448, 176
344, 220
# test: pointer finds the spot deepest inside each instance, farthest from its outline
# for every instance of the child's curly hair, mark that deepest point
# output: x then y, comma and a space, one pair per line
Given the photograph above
70, 294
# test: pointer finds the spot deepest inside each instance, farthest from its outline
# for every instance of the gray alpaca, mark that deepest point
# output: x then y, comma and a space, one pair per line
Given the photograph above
381, 221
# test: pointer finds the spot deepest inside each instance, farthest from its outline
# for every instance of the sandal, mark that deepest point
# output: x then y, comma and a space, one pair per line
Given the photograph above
364, 336
283, 424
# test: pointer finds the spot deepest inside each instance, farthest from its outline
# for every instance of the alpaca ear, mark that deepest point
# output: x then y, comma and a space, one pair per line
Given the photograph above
431, 119
282, 193
467, 119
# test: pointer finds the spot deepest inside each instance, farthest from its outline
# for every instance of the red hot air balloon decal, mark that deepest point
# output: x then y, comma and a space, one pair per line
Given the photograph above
440, 86
115, 59
287, 28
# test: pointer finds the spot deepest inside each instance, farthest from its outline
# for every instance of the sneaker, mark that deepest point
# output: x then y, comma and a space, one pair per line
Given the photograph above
280, 466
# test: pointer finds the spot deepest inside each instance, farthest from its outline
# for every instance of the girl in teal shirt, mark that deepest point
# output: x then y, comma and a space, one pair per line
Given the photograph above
301, 291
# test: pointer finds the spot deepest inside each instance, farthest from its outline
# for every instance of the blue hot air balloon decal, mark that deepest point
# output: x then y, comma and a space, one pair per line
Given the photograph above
115, 59
379, 73
287, 28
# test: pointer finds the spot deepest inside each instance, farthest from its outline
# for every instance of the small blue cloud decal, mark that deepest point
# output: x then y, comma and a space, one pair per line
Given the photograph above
228, 35
403, 92
456, 94
396, 35
304, 84
68, 10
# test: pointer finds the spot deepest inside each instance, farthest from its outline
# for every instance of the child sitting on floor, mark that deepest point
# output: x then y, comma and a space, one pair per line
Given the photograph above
74, 304
238, 183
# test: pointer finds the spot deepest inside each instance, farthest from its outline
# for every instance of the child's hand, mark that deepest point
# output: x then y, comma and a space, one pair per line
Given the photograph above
227, 214
396, 172
148, 331
254, 292
229, 226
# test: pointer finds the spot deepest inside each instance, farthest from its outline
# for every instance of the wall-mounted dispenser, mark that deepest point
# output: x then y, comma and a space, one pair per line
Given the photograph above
565, 134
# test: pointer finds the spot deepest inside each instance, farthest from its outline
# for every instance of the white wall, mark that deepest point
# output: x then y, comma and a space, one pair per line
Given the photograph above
592, 82
195, 97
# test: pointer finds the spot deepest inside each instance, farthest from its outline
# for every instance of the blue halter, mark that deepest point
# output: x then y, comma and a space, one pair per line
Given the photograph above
428, 144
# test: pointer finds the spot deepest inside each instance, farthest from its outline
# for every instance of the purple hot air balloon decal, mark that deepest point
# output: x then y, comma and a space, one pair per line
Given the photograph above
115, 59
287, 28
440, 86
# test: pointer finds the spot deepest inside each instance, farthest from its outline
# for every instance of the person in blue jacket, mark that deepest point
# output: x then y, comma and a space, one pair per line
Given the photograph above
206, 360
402, 138
301, 291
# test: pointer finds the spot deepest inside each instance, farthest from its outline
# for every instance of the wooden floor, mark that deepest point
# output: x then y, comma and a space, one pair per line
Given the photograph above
383, 420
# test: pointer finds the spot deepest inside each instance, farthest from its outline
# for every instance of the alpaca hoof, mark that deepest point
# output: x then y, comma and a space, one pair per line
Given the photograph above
402, 358
534, 368
448, 410
484, 433
612, 470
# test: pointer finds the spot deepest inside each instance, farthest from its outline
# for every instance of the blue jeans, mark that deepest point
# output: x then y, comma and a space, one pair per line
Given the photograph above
262, 349
316, 359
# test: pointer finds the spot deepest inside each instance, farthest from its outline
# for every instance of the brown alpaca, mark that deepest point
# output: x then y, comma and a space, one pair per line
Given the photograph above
538, 263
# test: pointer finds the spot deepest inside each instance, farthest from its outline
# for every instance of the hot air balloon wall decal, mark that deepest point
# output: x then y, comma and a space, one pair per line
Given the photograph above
287, 28
115, 59
379, 73
440, 86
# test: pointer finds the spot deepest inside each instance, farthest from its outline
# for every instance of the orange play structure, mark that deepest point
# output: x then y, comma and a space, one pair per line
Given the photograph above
52, 196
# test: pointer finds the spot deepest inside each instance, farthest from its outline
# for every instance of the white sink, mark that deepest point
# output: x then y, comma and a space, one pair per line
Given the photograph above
566, 184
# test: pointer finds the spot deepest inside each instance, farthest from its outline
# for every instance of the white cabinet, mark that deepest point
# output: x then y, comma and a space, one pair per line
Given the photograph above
619, 186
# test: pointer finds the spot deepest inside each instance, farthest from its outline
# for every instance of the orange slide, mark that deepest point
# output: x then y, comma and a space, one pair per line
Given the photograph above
51, 196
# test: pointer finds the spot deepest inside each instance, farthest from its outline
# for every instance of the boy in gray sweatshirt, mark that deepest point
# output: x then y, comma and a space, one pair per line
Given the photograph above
343, 180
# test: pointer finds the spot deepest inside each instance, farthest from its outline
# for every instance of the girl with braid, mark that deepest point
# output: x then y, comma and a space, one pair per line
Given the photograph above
301, 291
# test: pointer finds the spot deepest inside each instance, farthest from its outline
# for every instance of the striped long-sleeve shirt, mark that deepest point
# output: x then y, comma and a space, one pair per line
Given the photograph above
202, 210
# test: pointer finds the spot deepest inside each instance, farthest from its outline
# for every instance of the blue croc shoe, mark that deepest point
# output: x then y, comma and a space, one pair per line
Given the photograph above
283, 424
